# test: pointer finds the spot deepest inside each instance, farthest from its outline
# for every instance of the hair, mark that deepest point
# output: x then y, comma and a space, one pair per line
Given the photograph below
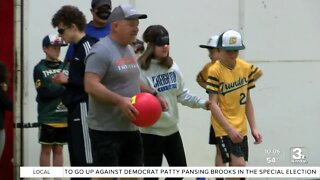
139, 46
3, 73
149, 36
69, 15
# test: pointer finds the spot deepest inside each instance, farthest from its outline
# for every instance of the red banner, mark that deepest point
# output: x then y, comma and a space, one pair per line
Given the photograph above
7, 56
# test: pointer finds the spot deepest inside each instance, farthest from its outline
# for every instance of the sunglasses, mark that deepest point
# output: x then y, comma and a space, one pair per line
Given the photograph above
62, 30
161, 41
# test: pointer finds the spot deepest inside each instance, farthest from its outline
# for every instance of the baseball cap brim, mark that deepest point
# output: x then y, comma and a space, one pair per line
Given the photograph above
233, 48
125, 12
137, 16
207, 47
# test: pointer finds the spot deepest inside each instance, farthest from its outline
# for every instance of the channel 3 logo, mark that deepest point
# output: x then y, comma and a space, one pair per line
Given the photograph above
298, 155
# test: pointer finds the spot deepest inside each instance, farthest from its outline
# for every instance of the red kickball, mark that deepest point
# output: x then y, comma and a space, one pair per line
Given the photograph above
149, 109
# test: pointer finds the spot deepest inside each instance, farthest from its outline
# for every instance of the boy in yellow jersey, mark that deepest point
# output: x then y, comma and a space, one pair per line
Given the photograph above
229, 82
214, 55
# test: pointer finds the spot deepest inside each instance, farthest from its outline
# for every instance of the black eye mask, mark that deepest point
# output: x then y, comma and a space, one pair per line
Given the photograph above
103, 12
161, 41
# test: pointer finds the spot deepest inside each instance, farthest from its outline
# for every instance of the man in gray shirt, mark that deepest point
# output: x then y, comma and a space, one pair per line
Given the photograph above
112, 77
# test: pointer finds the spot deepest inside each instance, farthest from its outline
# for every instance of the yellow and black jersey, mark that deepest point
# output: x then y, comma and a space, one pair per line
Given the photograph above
203, 74
232, 86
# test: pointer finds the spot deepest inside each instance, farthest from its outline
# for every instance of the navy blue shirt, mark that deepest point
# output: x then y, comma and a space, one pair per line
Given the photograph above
75, 92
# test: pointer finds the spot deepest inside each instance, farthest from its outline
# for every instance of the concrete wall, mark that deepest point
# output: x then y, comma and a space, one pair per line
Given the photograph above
280, 37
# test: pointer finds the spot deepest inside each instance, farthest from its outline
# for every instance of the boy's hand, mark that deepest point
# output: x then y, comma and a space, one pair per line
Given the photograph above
257, 136
60, 78
235, 136
208, 103
4, 87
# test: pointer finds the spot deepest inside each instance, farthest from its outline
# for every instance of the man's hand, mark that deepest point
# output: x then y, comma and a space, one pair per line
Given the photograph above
127, 108
235, 136
60, 78
257, 136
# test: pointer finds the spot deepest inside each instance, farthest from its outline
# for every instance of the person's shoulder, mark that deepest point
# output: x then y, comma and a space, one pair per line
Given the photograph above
102, 45
215, 65
244, 64
90, 39
39, 64
208, 65
215, 68
85, 44
175, 66
95, 31
89, 25
101, 50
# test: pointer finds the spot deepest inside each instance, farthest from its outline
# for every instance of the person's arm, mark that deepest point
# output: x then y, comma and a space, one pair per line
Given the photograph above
235, 136
76, 74
201, 81
255, 73
185, 97
251, 119
98, 91
75, 79
5, 102
44, 88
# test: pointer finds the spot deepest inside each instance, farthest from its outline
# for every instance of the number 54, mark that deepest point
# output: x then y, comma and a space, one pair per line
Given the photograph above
271, 160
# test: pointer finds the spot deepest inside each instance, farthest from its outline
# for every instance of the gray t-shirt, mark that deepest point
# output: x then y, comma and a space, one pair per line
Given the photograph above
117, 65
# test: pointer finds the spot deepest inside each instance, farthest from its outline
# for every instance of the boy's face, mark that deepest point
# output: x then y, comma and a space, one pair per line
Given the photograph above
229, 55
214, 54
52, 52
65, 32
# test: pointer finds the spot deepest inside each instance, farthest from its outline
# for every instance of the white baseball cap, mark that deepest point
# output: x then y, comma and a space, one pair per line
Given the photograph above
125, 11
230, 40
212, 42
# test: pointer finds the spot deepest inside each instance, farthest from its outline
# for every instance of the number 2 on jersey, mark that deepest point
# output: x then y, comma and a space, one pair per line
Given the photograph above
243, 99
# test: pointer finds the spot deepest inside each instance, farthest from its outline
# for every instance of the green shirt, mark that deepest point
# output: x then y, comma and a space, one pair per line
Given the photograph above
49, 95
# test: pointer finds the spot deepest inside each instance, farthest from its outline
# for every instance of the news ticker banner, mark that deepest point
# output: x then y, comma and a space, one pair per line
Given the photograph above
196, 172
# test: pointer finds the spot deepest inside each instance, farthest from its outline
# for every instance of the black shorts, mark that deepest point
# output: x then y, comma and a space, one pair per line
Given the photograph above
227, 147
116, 148
52, 135
212, 136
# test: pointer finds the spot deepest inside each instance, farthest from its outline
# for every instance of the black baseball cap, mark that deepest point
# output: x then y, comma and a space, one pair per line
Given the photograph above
98, 3
53, 40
